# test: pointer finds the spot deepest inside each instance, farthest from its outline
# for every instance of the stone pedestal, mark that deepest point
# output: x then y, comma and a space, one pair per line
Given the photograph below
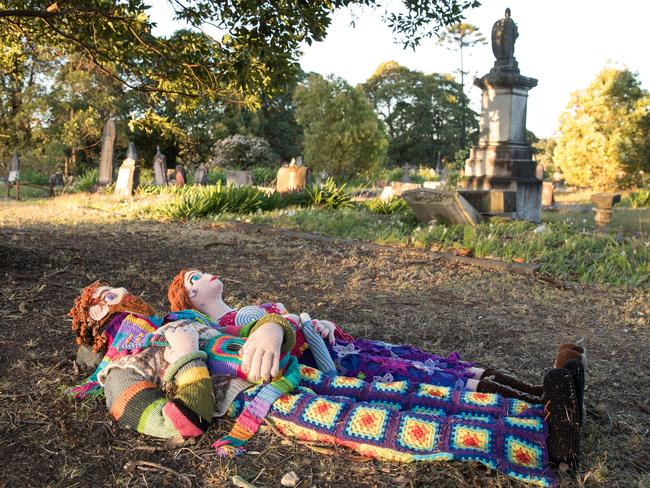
503, 160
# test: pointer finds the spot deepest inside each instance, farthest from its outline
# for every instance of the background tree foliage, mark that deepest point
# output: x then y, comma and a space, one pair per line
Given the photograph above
605, 132
183, 91
423, 113
343, 134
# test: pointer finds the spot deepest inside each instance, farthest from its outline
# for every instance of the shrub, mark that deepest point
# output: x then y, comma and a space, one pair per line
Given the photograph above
640, 198
34, 177
243, 152
86, 181
328, 195
263, 176
386, 207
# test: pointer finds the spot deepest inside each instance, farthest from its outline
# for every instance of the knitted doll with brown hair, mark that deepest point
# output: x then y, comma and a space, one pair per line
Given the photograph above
96, 304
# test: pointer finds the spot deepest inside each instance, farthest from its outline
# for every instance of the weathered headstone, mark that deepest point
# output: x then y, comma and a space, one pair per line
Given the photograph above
434, 185
201, 175
406, 174
492, 202
56, 179
239, 178
131, 153
449, 206
548, 198
14, 168
181, 178
126, 176
291, 178
299, 162
159, 168
106, 157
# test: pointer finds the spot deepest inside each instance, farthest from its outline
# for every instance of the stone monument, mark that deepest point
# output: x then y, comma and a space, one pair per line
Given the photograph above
126, 176
159, 168
106, 158
239, 178
201, 175
181, 178
503, 160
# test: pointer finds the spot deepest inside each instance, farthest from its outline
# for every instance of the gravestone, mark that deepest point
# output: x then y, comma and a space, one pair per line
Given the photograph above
14, 168
239, 178
434, 185
449, 206
503, 159
291, 178
126, 176
56, 179
548, 198
400, 187
106, 157
181, 178
159, 168
406, 174
299, 162
201, 175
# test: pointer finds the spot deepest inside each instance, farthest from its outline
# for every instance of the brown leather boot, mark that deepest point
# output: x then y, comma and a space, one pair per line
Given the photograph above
561, 410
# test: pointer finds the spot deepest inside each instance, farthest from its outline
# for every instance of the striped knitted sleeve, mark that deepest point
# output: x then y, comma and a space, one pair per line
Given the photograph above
141, 405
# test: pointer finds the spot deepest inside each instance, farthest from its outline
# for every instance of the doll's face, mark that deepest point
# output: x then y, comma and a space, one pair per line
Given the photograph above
105, 299
202, 288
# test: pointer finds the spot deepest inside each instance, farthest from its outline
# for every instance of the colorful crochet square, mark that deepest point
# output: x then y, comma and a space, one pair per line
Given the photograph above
311, 375
439, 412
527, 423
517, 407
434, 391
227, 348
474, 416
286, 404
479, 399
392, 387
393, 406
322, 412
345, 382
367, 422
418, 434
522, 453
467, 437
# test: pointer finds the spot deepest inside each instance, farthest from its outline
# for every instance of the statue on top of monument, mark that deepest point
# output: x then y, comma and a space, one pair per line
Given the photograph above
504, 35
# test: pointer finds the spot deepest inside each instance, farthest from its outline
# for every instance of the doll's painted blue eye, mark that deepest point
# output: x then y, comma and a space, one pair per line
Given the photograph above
110, 296
194, 278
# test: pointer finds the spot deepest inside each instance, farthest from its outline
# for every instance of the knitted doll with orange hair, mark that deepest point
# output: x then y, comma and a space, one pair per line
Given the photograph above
369, 360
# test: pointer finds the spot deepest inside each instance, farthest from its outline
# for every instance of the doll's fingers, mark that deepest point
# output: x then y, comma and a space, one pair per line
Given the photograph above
332, 339
256, 365
267, 364
275, 369
247, 358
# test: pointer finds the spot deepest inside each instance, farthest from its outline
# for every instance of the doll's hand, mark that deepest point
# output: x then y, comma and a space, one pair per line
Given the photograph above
325, 328
181, 342
261, 353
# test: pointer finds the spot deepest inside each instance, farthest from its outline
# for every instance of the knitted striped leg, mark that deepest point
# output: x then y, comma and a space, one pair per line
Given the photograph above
513, 445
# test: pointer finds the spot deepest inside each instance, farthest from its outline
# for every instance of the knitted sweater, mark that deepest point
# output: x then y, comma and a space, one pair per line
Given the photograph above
139, 402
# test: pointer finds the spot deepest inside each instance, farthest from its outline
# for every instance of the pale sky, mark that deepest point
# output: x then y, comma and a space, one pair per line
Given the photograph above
563, 44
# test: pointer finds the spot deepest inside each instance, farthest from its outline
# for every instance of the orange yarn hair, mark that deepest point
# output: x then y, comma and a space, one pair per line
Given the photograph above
177, 295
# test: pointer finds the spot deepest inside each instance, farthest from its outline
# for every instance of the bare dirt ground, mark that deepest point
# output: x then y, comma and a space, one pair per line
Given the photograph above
498, 319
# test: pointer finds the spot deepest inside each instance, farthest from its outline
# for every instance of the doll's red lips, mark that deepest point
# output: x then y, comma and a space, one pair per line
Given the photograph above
214, 278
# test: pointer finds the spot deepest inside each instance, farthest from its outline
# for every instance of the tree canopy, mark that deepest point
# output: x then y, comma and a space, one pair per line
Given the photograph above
343, 135
255, 51
605, 132
423, 113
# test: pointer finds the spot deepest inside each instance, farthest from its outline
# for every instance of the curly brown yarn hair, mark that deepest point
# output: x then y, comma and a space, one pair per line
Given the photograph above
87, 330
176, 293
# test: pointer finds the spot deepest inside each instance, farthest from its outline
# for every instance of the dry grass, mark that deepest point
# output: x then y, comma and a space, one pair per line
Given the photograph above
495, 319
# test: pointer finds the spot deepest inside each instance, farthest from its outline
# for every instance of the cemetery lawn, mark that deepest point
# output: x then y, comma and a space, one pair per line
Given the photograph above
50, 249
